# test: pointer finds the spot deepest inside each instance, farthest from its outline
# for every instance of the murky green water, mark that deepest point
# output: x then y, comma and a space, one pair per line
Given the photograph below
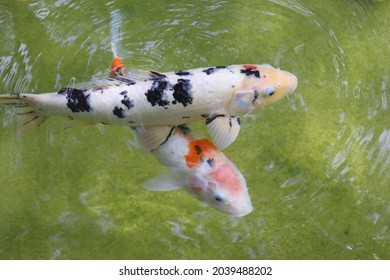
317, 164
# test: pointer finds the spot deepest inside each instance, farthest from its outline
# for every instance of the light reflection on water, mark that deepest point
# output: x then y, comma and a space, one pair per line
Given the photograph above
316, 164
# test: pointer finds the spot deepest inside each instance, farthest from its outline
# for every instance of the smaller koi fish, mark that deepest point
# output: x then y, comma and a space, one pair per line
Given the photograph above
200, 168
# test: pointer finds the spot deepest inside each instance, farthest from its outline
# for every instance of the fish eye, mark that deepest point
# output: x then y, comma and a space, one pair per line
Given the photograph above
269, 91
218, 197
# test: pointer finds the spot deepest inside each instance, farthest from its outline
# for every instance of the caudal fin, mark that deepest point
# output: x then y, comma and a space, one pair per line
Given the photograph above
28, 119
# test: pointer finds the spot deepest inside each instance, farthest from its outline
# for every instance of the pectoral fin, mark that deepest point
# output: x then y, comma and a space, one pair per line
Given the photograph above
164, 182
152, 137
223, 129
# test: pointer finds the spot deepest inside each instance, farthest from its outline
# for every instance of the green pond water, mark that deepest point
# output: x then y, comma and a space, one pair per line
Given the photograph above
317, 164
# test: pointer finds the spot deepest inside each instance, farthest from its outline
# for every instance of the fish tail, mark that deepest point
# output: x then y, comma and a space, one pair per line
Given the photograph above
27, 118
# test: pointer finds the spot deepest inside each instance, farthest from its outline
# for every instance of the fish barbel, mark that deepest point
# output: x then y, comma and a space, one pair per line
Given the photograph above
217, 94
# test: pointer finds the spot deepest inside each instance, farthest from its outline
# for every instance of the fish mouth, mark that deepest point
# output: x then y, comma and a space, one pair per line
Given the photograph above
241, 214
242, 211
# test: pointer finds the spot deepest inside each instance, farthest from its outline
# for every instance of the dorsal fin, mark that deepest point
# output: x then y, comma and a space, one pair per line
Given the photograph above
128, 78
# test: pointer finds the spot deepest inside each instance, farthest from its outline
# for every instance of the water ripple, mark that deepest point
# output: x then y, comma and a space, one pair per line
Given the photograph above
380, 153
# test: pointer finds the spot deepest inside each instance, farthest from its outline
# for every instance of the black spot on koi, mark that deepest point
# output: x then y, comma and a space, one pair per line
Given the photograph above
198, 149
211, 162
78, 100
119, 112
181, 92
236, 118
255, 96
127, 102
155, 95
183, 73
250, 71
211, 70
184, 129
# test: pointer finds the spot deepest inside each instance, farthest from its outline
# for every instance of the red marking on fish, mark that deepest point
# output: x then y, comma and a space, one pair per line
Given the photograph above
224, 175
117, 67
248, 66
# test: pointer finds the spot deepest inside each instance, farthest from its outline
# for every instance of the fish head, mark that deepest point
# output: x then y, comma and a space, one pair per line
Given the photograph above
268, 83
222, 187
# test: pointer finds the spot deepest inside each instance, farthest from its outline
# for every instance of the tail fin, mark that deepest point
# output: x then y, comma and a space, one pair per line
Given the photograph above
28, 119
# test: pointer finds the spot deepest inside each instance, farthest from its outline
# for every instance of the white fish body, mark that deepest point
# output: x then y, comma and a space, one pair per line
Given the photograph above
202, 170
147, 98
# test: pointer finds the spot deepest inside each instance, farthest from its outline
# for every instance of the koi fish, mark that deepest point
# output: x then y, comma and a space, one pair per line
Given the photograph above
200, 168
148, 98
196, 165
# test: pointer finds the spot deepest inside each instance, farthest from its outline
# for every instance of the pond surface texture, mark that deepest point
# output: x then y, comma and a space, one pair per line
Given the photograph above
317, 164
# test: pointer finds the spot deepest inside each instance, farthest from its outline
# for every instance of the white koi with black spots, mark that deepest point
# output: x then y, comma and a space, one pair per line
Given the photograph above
147, 98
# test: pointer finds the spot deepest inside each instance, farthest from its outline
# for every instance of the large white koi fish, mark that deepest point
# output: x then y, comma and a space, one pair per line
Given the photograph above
201, 169
151, 99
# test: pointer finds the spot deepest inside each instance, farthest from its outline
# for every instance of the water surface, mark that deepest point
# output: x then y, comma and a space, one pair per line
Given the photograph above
316, 164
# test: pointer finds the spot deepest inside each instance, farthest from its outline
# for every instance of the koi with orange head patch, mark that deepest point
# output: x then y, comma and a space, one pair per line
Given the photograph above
200, 168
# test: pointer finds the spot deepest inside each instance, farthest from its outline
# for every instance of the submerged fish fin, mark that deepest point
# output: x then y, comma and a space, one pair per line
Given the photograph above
223, 129
152, 137
164, 182
27, 118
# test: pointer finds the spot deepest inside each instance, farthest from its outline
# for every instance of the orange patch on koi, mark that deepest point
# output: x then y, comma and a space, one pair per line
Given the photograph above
197, 150
117, 67
248, 66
